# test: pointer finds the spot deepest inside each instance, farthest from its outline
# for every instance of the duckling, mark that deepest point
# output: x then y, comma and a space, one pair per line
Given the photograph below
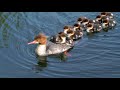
105, 24
98, 19
78, 31
80, 20
108, 14
90, 28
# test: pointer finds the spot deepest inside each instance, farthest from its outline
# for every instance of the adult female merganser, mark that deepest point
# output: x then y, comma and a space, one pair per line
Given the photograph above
45, 47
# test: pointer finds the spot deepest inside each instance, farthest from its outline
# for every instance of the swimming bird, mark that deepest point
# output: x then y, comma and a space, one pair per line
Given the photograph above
78, 30
108, 14
108, 23
81, 19
90, 28
46, 47
105, 24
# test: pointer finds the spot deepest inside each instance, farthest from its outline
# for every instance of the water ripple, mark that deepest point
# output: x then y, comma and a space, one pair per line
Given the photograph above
92, 56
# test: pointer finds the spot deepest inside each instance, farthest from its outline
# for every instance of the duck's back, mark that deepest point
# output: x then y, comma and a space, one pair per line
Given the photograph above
53, 48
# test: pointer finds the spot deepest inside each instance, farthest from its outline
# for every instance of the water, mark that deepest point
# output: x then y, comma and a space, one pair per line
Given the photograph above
94, 56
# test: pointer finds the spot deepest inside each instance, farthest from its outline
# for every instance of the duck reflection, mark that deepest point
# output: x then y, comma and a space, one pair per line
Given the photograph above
105, 29
42, 61
62, 57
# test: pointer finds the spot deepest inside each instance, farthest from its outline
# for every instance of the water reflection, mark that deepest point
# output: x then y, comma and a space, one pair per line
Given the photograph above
90, 36
42, 61
16, 28
4, 30
62, 57
105, 30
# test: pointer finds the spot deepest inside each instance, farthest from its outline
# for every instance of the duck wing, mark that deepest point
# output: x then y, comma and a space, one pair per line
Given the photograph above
53, 48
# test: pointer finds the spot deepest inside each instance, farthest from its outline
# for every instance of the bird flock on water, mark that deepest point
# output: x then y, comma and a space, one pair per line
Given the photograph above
65, 40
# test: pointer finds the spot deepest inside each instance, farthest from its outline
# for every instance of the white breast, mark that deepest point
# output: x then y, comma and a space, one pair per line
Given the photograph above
41, 50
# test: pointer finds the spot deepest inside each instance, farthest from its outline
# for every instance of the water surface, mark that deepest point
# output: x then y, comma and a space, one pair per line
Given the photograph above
94, 56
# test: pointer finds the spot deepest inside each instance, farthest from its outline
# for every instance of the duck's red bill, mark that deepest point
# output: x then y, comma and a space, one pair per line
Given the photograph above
33, 42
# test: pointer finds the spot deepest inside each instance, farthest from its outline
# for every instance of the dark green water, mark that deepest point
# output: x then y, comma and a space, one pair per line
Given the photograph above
94, 56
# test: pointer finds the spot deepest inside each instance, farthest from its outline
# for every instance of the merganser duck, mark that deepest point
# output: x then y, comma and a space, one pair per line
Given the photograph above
93, 28
103, 13
98, 19
54, 38
112, 23
65, 29
64, 39
78, 31
71, 35
101, 18
108, 14
105, 24
90, 28
105, 17
80, 20
77, 27
108, 23
92, 21
74, 32
69, 31
97, 27
84, 23
109, 17
46, 48
58, 38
